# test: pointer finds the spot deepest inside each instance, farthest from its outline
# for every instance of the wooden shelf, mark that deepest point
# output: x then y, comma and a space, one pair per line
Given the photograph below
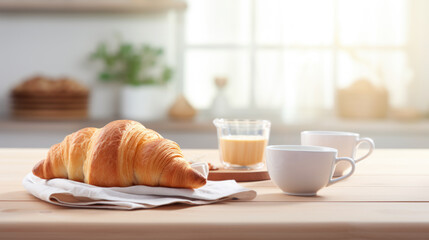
203, 124
115, 6
201, 133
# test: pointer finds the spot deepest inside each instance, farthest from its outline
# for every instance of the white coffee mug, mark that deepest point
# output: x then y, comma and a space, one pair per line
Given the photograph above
304, 170
345, 142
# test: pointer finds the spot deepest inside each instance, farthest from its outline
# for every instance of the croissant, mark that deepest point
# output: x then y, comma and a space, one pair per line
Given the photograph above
122, 153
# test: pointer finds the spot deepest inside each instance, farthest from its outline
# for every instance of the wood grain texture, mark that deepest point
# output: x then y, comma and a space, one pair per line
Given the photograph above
239, 175
387, 198
232, 220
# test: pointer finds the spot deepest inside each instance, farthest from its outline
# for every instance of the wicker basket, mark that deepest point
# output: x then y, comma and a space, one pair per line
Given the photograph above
37, 99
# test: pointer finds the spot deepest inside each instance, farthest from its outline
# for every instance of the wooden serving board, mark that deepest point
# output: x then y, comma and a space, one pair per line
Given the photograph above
239, 175
211, 156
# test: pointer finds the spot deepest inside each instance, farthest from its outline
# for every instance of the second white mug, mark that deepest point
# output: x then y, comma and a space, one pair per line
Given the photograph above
345, 142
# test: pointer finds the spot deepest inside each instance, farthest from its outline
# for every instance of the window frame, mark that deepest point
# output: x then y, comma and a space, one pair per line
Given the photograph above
253, 47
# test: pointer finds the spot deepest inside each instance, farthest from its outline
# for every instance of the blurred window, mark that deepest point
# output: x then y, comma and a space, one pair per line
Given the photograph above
289, 56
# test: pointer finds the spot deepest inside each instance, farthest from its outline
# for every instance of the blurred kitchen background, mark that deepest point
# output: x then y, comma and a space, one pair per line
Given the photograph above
346, 65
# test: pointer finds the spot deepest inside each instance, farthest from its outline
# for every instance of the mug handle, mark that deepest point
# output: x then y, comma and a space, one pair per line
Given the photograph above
371, 147
335, 180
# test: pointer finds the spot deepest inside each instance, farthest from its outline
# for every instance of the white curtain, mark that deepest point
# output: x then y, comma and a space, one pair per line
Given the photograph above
291, 56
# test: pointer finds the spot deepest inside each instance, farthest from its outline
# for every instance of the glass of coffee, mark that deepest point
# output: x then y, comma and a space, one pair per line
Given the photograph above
242, 142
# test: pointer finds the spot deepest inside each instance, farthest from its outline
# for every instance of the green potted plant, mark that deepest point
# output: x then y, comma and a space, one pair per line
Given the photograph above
143, 75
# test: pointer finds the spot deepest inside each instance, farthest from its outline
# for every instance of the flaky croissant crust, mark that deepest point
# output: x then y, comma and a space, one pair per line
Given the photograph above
122, 153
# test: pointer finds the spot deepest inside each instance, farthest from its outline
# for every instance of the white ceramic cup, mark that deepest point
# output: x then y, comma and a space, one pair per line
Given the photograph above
304, 170
345, 142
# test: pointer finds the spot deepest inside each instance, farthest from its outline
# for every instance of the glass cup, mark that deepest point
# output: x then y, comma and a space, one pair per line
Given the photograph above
242, 142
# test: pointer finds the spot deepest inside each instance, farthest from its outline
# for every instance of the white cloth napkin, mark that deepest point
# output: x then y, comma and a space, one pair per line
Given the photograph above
70, 193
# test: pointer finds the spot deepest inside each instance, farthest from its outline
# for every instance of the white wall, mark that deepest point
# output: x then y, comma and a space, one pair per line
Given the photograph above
419, 53
59, 44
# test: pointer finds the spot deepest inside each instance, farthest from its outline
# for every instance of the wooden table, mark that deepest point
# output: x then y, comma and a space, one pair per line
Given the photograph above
387, 198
